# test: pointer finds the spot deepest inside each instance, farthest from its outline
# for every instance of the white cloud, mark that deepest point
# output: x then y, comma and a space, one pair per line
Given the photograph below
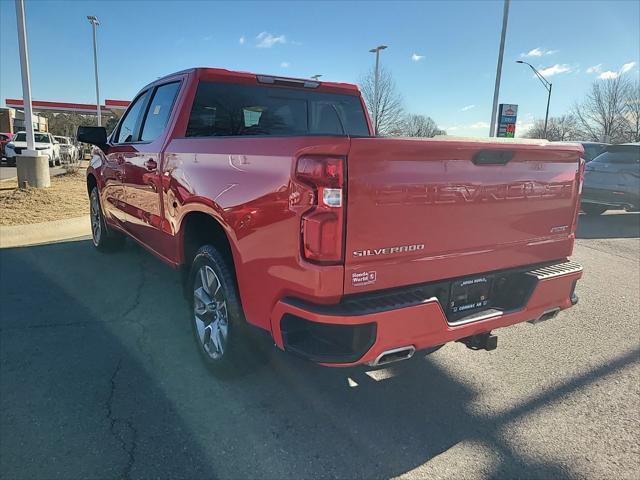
555, 69
416, 58
467, 107
451, 129
478, 125
610, 74
627, 66
241, 40
538, 52
285, 64
267, 40
595, 68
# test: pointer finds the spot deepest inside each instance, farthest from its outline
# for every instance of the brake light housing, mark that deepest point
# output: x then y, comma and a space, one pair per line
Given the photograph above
322, 226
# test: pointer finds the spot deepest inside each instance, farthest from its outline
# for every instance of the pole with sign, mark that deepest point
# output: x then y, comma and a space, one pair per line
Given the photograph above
508, 113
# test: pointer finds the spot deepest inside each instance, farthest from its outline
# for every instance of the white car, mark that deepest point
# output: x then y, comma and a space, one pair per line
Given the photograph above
45, 145
68, 151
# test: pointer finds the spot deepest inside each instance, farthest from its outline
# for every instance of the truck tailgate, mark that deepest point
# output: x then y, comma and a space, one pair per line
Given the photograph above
423, 210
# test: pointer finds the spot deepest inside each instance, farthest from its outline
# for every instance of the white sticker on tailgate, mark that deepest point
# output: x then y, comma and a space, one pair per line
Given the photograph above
359, 279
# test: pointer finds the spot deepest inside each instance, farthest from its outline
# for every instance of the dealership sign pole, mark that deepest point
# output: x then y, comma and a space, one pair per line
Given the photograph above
496, 90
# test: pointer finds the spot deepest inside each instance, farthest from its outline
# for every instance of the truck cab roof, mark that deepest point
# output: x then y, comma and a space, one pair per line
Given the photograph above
233, 76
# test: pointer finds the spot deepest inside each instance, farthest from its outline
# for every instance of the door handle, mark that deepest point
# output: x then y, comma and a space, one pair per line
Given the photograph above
151, 165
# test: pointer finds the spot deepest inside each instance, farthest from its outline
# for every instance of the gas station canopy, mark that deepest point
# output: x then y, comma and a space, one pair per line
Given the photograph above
114, 107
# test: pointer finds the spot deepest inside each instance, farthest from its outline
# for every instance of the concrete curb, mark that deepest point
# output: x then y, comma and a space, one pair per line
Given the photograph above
37, 233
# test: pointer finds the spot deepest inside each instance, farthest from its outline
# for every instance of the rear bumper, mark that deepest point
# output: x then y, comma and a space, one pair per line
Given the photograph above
352, 336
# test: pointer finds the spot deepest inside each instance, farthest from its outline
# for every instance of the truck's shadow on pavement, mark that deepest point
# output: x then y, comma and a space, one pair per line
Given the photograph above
610, 225
100, 379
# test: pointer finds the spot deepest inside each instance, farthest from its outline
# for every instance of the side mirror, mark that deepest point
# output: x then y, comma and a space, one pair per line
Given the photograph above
94, 135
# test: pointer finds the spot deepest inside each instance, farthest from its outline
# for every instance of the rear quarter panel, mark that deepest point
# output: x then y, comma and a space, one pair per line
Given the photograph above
245, 184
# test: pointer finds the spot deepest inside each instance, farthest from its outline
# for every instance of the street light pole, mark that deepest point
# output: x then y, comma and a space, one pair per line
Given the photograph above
316, 77
375, 86
32, 169
94, 23
26, 78
547, 85
496, 90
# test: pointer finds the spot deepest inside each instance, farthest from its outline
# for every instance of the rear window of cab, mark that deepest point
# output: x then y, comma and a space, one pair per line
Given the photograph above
221, 109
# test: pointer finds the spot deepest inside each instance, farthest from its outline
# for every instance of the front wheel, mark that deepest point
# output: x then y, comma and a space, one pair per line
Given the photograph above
217, 319
104, 239
593, 208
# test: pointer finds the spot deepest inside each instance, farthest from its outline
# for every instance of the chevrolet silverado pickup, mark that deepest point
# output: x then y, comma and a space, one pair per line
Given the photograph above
284, 212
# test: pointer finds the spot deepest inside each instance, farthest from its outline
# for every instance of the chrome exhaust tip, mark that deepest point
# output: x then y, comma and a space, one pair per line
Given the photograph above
547, 315
394, 355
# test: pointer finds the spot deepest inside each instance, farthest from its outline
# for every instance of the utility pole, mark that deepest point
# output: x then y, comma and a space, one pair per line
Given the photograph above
375, 87
94, 23
32, 170
496, 90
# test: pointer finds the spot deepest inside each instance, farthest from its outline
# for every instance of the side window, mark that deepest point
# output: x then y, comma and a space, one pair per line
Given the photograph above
158, 111
127, 128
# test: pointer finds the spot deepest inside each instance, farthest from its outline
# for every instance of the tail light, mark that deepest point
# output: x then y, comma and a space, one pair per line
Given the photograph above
323, 225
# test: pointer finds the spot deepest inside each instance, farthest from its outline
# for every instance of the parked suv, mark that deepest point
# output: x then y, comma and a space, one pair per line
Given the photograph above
285, 213
68, 151
612, 180
4, 139
45, 144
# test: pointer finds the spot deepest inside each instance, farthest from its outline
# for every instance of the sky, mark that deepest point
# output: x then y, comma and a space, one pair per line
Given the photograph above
442, 55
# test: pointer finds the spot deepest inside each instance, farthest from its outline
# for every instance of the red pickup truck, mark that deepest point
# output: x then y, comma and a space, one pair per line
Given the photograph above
286, 213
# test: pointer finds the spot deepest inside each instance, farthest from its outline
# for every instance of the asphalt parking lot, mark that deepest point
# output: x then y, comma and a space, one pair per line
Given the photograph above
7, 172
99, 379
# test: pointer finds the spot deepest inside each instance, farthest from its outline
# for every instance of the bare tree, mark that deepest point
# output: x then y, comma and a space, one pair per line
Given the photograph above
601, 114
419, 126
385, 108
632, 114
562, 128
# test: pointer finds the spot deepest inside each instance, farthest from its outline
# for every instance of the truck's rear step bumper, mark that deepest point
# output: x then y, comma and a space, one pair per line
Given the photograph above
362, 327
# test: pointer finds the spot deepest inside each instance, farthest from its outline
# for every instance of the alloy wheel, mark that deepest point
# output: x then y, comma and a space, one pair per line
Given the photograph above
96, 223
210, 312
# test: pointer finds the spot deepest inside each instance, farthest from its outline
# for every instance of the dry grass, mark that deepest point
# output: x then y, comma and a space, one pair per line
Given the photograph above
66, 198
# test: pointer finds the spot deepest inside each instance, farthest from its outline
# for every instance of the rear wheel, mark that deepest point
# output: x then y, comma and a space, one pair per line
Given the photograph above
104, 238
217, 319
593, 208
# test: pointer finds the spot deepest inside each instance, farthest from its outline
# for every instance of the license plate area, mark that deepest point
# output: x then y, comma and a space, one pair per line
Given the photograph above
470, 295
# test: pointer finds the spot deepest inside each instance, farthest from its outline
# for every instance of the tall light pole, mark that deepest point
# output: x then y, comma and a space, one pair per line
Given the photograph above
316, 77
496, 90
26, 77
94, 23
547, 85
375, 87
32, 169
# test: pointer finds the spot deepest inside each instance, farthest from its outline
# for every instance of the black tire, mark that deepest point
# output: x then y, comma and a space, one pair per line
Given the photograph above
58, 162
104, 238
593, 208
226, 361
